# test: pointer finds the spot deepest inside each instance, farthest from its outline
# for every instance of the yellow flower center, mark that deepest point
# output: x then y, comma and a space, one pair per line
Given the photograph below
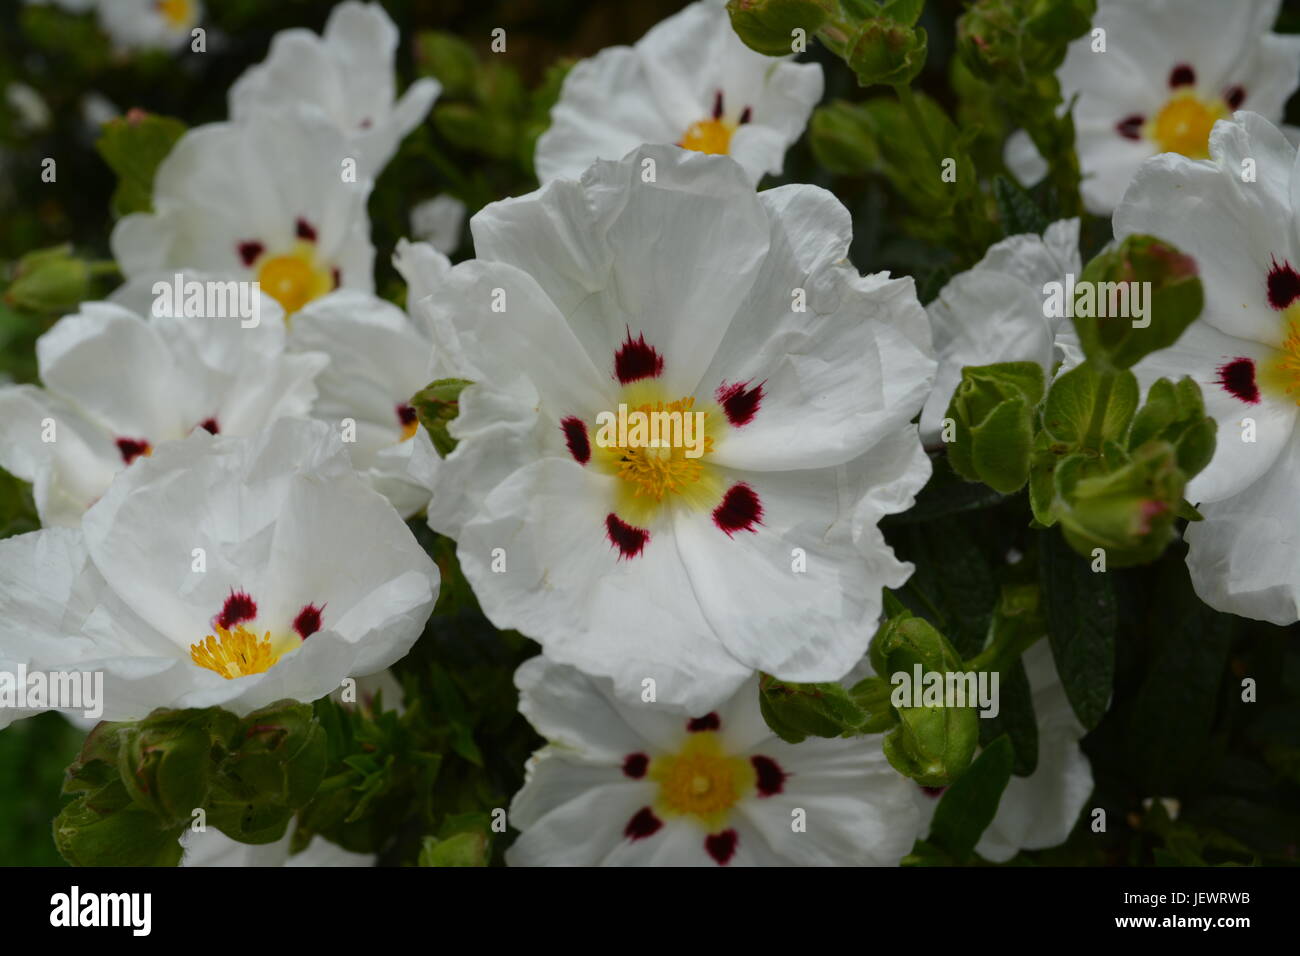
236, 653
701, 780
708, 136
1184, 124
663, 455
1281, 375
409, 430
295, 278
179, 14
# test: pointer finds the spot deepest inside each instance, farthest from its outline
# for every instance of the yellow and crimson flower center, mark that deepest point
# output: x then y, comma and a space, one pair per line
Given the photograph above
1183, 125
295, 278
702, 780
179, 14
1281, 375
708, 136
238, 652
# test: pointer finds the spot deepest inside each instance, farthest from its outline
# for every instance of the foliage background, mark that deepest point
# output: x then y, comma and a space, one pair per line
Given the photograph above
1176, 726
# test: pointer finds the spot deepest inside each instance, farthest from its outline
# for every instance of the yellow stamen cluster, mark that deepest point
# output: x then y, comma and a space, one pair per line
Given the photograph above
654, 472
179, 14
1286, 366
295, 278
236, 653
701, 780
708, 136
1184, 124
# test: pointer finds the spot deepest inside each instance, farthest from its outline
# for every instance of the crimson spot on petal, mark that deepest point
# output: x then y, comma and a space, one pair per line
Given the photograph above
575, 436
636, 359
307, 622
721, 846
1182, 75
406, 415
739, 401
1131, 126
746, 115
717, 105
642, 825
1234, 96
132, 448
710, 721
210, 426
630, 541
740, 510
634, 765
1238, 379
239, 607
305, 230
771, 778
249, 251
1283, 285
336, 276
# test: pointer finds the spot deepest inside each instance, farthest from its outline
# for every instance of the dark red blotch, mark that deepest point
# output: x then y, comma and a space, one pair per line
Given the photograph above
721, 846
1238, 379
771, 778
710, 721
643, 824
630, 541
575, 436
307, 622
239, 607
636, 359
739, 401
634, 765
740, 510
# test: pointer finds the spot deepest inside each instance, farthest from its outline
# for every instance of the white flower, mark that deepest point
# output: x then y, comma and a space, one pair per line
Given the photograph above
643, 784
378, 359
994, 312
29, 109
1038, 811
689, 81
346, 75
117, 386
229, 572
213, 848
271, 199
1170, 69
750, 543
149, 24
1243, 352
438, 221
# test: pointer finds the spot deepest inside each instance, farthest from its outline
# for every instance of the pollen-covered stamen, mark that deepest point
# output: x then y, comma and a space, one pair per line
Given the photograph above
721, 846
630, 541
1284, 370
132, 448
1238, 380
236, 653
654, 472
295, 278
577, 439
1130, 127
739, 401
238, 607
179, 14
308, 621
1183, 125
713, 135
741, 510
701, 780
636, 360
408, 419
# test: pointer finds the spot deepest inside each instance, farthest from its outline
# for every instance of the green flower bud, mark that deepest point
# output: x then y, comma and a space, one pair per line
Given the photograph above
460, 849
1152, 286
1175, 413
437, 404
1128, 512
796, 711
166, 763
49, 280
843, 138
129, 837
993, 411
932, 745
886, 52
769, 26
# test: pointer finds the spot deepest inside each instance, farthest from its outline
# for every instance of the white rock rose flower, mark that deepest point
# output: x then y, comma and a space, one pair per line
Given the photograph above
644, 784
689, 81
149, 24
378, 359
229, 572
994, 312
1169, 71
1040, 810
746, 539
276, 199
118, 386
1236, 215
346, 75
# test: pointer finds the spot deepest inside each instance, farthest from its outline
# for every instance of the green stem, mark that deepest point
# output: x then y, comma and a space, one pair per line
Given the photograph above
104, 267
1004, 649
1096, 424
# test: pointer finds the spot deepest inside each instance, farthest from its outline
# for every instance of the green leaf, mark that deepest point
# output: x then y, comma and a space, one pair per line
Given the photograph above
1017, 211
969, 805
1081, 625
134, 146
438, 404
